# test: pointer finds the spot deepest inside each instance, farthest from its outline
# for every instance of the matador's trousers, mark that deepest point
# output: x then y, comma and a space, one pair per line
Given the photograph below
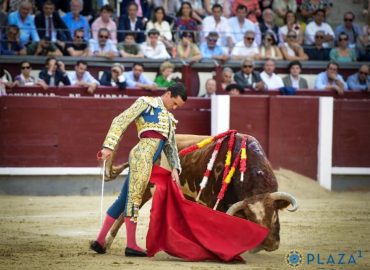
141, 160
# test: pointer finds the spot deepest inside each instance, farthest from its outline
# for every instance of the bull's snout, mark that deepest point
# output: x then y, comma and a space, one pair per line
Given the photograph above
271, 246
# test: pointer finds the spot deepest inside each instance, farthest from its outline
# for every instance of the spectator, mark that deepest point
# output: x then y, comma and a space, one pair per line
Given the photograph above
294, 79
291, 50
170, 6
360, 80
291, 23
281, 7
128, 48
234, 89
219, 24
317, 51
365, 42
74, 20
308, 8
153, 48
5, 81
49, 24
240, 25
211, 88
343, 53
264, 4
196, 6
353, 30
268, 25
247, 77
25, 78
270, 79
187, 49
54, 73
227, 77
24, 20
248, 4
210, 49
131, 22
163, 27
316, 25
135, 78
105, 21
43, 48
269, 48
246, 47
330, 79
184, 20
165, 79
115, 77
78, 47
81, 77
208, 6
10, 44
144, 9
104, 47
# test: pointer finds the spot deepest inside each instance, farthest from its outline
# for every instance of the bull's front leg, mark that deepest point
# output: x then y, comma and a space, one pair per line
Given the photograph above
120, 220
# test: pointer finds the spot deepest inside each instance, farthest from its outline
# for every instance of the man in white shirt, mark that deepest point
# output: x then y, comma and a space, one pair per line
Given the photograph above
81, 77
316, 25
104, 47
219, 24
271, 80
246, 48
153, 48
239, 25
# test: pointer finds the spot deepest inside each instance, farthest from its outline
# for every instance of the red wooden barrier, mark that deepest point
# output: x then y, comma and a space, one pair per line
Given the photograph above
62, 131
351, 138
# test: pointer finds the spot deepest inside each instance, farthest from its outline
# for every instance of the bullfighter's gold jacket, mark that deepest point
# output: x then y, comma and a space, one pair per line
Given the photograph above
149, 113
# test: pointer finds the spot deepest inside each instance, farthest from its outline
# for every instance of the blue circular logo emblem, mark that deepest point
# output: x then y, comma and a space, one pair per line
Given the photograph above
294, 259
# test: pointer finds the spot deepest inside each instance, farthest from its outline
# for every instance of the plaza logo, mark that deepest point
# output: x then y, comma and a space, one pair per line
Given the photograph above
295, 259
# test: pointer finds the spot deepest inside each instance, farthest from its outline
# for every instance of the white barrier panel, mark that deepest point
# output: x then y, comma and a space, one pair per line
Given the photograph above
220, 114
324, 151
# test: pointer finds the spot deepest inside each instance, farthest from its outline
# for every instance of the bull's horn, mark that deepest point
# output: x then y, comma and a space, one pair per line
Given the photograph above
287, 197
235, 208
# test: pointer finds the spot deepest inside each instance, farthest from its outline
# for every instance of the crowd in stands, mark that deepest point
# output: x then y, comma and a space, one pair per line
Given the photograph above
192, 30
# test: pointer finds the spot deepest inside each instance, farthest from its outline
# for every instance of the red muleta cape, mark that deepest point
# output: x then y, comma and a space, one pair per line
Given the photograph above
193, 232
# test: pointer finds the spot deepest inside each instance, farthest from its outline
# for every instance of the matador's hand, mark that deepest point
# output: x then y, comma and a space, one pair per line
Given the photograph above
104, 154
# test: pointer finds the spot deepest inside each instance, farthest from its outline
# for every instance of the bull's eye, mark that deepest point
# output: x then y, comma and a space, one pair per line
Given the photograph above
260, 172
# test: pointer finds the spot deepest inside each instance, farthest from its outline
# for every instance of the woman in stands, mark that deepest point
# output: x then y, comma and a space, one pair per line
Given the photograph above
291, 49
165, 79
342, 53
291, 23
187, 49
185, 20
269, 49
158, 22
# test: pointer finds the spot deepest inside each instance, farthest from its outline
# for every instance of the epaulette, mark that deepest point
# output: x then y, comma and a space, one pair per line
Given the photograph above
151, 101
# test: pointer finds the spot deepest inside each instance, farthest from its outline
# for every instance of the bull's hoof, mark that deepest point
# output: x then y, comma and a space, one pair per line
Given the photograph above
94, 245
129, 252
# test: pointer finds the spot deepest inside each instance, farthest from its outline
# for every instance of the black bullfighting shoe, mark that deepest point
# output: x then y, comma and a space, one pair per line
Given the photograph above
129, 252
94, 245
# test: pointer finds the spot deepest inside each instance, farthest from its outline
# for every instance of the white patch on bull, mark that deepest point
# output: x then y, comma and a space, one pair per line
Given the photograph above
273, 218
258, 210
256, 147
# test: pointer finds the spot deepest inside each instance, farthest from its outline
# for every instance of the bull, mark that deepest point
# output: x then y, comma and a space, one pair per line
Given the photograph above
256, 198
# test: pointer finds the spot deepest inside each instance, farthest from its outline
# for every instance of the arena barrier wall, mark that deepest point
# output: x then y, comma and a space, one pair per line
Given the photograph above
324, 138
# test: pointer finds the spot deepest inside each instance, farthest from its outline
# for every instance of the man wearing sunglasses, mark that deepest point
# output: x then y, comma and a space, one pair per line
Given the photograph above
331, 79
104, 47
352, 29
78, 47
246, 48
360, 80
317, 51
247, 77
211, 50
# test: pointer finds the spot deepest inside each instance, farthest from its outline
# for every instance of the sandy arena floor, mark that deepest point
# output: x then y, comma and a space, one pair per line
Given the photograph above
53, 233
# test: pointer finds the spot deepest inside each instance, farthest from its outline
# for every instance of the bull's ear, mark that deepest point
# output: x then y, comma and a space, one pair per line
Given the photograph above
281, 204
